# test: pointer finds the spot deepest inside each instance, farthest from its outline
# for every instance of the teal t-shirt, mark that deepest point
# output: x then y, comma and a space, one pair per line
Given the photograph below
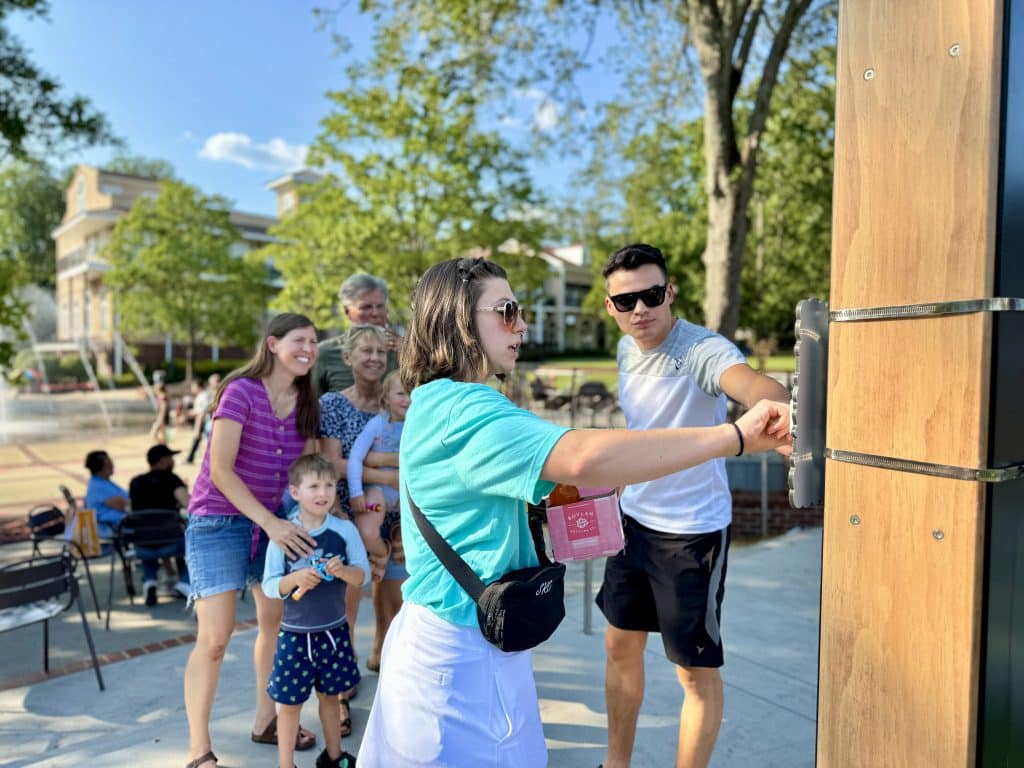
470, 459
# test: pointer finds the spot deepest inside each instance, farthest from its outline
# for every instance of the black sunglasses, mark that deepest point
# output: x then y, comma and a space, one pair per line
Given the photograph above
651, 297
510, 311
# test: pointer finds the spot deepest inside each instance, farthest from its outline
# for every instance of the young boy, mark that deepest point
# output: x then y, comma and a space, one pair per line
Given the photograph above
314, 648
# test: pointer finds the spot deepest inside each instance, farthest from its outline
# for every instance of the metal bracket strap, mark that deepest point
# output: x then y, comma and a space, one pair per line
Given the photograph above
984, 475
932, 309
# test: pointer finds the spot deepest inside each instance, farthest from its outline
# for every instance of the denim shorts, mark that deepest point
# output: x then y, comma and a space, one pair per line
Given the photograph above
218, 551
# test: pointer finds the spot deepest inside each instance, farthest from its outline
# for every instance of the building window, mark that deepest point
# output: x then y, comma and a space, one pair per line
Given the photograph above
80, 195
288, 201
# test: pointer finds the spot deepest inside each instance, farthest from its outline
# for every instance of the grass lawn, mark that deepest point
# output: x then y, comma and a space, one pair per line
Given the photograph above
604, 370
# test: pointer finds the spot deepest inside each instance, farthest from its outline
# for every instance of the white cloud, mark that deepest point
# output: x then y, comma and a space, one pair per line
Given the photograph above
545, 116
240, 149
546, 111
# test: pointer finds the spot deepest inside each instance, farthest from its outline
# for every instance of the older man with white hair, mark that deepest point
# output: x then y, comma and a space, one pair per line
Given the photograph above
363, 299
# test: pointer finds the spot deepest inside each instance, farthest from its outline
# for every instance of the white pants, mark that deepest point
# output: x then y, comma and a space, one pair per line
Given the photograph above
447, 698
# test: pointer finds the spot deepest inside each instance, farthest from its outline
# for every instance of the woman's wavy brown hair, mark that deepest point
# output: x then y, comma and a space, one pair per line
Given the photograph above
442, 341
307, 406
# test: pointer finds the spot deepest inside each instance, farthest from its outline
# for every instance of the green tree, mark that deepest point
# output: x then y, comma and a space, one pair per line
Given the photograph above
137, 165
173, 271
414, 181
788, 250
34, 116
13, 312
676, 58
31, 206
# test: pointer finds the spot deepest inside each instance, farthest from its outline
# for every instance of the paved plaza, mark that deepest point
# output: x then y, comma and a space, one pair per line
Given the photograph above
770, 626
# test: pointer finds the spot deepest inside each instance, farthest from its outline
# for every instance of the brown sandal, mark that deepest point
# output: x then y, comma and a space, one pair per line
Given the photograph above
346, 719
202, 759
269, 736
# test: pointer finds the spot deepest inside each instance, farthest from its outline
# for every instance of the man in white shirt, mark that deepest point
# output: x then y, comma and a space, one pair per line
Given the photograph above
670, 577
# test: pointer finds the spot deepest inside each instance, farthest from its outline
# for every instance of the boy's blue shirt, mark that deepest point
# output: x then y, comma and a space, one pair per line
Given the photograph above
323, 607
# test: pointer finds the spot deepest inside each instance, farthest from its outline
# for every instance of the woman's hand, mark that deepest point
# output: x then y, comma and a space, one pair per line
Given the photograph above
291, 538
766, 427
357, 504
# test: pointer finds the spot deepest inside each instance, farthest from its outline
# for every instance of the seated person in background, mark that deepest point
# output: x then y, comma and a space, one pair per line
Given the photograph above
103, 495
160, 488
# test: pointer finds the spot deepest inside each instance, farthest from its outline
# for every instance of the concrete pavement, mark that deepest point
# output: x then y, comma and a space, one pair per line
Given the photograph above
770, 626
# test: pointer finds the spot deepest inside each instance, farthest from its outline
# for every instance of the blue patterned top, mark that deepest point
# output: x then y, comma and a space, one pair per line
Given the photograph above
341, 420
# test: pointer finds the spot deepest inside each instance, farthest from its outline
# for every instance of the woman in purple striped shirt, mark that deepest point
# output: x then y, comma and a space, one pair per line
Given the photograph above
265, 415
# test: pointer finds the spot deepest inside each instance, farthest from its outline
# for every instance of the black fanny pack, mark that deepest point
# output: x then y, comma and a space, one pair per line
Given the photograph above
520, 610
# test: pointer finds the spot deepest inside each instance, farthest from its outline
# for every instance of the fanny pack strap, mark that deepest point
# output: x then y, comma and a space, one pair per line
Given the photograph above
449, 558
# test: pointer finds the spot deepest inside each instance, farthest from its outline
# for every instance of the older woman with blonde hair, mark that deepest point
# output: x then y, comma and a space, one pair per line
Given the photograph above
342, 417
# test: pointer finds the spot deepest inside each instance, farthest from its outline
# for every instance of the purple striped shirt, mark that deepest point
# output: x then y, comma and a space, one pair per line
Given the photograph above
267, 447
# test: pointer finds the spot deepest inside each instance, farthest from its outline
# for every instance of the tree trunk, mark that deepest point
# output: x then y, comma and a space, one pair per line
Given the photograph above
190, 356
731, 165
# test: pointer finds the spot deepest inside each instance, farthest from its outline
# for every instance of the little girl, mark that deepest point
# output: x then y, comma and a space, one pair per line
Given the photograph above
381, 435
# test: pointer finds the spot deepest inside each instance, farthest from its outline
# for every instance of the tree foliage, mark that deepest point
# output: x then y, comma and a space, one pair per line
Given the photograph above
35, 117
412, 179
788, 250
676, 60
137, 165
173, 270
31, 206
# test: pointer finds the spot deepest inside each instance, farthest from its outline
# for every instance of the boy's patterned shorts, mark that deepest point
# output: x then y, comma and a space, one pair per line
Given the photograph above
307, 660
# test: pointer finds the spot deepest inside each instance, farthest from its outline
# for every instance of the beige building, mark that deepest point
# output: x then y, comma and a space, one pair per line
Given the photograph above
558, 320
87, 311
86, 308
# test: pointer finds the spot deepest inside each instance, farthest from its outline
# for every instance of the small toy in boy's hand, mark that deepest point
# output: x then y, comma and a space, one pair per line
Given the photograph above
320, 564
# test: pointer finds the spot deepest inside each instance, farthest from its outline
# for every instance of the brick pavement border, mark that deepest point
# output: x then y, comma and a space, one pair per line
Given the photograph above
108, 658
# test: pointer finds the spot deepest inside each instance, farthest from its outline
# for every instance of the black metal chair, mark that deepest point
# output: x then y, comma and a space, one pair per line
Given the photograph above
143, 529
47, 523
593, 396
31, 591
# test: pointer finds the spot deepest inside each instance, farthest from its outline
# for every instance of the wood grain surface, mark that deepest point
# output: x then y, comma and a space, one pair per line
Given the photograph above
917, 122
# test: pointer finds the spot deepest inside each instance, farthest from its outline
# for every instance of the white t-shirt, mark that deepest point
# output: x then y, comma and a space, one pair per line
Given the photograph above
676, 384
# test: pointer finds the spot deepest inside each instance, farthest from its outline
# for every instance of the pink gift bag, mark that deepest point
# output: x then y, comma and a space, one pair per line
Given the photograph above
588, 528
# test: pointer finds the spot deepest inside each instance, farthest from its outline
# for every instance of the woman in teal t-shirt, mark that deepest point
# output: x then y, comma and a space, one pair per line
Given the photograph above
470, 459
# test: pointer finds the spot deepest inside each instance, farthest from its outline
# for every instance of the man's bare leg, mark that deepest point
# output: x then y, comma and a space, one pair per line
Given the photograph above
701, 715
623, 690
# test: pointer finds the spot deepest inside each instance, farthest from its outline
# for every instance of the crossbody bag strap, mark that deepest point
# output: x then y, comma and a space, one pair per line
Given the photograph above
449, 558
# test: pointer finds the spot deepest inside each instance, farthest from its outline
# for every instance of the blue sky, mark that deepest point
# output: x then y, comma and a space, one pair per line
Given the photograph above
230, 93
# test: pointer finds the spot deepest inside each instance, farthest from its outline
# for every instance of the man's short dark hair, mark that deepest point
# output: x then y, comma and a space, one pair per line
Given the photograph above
95, 460
634, 256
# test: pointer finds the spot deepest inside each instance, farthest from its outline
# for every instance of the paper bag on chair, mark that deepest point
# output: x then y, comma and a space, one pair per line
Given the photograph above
85, 533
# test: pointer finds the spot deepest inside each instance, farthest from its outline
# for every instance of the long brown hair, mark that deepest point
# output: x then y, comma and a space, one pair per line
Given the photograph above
307, 407
443, 342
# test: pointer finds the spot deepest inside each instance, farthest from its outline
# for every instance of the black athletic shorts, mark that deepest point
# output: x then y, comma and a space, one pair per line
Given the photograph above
673, 584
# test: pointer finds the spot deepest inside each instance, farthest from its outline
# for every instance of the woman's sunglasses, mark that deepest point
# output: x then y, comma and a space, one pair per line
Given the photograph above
510, 311
651, 297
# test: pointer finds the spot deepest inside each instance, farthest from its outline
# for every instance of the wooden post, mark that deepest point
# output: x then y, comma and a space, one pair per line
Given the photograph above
917, 171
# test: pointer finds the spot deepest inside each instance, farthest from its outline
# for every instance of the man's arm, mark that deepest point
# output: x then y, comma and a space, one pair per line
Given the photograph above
181, 495
746, 386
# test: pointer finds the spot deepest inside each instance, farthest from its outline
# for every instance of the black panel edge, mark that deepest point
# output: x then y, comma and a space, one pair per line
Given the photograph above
1001, 682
